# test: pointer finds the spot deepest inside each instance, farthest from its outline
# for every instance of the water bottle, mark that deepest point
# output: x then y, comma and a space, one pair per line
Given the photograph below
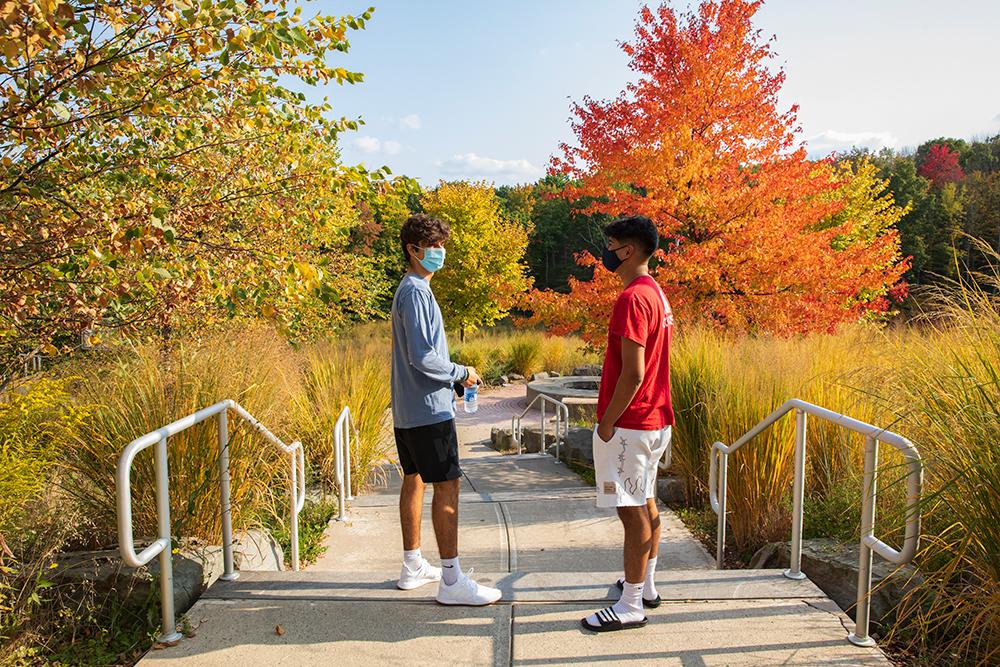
472, 398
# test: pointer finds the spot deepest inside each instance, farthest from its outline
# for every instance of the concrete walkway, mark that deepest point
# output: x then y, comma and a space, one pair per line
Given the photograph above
529, 526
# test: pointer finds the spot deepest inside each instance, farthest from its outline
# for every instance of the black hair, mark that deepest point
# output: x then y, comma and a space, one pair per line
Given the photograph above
638, 229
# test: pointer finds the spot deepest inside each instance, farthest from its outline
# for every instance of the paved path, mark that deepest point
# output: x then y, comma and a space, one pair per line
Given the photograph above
528, 526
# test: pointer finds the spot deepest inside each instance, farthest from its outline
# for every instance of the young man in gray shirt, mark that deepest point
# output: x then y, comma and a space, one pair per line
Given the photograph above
423, 413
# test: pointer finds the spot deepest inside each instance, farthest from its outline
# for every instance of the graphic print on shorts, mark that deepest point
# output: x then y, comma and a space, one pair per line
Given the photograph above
631, 485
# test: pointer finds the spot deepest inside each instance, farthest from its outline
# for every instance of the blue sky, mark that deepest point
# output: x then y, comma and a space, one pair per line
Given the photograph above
480, 90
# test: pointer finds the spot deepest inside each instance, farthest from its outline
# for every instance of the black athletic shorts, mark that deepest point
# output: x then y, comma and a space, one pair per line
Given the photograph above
430, 450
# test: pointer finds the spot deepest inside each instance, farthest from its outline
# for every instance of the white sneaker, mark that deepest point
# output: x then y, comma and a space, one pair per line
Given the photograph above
467, 592
427, 574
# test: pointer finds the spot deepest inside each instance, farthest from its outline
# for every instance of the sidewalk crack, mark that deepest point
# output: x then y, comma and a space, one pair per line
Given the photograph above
839, 617
510, 646
508, 525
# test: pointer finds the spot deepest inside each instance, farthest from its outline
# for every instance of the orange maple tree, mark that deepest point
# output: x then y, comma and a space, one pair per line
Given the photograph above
697, 143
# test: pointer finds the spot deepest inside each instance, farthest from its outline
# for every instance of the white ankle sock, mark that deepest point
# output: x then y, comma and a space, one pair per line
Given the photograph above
649, 590
451, 570
412, 559
629, 606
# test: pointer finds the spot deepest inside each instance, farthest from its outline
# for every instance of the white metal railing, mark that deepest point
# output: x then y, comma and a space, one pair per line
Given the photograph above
717, 479
32, 361
342, 459
162, 545
562, 423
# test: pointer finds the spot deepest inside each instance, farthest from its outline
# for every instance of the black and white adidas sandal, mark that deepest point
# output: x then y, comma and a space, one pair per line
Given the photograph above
609, 622
648, 604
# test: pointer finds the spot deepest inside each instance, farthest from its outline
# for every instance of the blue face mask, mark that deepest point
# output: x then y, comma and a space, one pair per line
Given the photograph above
433, 259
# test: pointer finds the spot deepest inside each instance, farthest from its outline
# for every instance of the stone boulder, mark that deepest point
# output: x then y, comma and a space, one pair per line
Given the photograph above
531, 437
588, 370
195, 568
833, 567
257, 551
540, 375
578, 446
671, 490
501, 439
104, 574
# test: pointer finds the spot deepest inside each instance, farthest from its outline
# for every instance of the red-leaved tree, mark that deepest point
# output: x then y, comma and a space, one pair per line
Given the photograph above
698, 144
941, 166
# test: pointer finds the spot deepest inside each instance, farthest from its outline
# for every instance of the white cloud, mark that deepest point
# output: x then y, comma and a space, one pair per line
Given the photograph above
472, 166
832, 141
373, 145
410, 122
368, 144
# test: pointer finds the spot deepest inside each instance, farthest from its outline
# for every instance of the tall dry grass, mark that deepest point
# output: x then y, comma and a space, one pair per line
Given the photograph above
950, 394
153, 385
723, 386
499, 352
354, 373
937, 382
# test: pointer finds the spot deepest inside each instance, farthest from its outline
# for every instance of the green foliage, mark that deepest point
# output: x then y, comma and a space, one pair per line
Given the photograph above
157, 171
939, 226
34, 421
483, 275
559, 230
313, 521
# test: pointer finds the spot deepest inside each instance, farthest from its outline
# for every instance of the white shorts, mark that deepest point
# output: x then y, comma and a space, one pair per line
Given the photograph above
625, 467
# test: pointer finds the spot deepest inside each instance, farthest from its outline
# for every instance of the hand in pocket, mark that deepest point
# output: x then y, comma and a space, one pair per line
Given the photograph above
611, 434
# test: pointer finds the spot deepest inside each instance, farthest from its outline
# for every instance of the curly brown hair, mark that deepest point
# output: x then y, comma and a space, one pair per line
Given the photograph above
421, 229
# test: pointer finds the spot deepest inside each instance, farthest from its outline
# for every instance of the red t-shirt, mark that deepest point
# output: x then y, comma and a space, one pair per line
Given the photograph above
643, 315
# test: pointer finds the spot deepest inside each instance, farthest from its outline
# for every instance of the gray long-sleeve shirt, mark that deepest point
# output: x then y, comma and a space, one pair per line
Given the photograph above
422, 371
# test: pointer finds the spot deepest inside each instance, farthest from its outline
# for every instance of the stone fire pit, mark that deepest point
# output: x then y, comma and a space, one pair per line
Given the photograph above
578, 392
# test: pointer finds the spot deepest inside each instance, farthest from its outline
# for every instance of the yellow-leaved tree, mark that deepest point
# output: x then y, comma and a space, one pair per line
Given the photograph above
484, 272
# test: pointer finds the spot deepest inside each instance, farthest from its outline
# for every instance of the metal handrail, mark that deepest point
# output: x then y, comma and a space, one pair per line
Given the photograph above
162, 545
562, 418
717, 482
342, 459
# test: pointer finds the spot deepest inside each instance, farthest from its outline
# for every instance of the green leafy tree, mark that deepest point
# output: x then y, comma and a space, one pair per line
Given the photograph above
484, 274
517, 202
982, 207
154, 171
382, 212
982, 156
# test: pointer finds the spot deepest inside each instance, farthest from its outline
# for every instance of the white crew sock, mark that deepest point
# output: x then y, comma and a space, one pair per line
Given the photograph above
451, 570
629, 606
649, 590
413, 559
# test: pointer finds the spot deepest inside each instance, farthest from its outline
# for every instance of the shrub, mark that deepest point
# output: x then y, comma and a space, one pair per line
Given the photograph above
525, 354
35, 419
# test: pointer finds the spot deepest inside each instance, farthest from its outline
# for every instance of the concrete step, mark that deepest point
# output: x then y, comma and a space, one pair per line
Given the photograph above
707, 618
562, 587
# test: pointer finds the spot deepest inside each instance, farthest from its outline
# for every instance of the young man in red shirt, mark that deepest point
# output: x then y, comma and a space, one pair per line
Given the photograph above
634, 416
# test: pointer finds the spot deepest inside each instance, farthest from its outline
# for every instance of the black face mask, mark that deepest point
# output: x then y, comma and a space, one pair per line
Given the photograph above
610, 259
